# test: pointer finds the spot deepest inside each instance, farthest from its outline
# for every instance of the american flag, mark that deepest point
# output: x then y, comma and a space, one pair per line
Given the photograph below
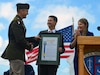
67, 33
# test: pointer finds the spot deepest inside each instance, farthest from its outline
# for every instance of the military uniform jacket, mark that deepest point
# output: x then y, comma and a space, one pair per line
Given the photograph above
17, 42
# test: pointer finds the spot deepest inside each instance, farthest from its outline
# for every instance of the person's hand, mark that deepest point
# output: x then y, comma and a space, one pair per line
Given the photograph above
37, 37
77, 33
60, 49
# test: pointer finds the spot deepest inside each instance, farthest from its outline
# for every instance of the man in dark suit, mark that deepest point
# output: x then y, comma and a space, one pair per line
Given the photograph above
15, 51
50, 69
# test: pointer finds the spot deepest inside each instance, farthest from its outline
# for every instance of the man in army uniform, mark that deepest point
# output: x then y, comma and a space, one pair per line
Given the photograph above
15, 51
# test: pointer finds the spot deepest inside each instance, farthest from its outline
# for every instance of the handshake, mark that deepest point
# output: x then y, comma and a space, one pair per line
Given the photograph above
33, 41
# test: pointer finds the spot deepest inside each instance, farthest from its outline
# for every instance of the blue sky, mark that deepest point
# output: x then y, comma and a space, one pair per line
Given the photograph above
37, 20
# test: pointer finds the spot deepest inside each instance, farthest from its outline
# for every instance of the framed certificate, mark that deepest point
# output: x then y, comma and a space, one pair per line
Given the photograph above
48, 48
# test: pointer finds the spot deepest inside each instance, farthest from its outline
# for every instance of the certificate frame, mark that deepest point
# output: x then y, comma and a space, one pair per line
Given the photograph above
48, 48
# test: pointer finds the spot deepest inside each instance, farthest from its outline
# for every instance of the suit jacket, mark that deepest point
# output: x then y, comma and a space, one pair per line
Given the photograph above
17, 41
61, 45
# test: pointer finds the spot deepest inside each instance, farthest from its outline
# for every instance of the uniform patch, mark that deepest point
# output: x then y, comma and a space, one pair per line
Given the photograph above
18, 22
92, 63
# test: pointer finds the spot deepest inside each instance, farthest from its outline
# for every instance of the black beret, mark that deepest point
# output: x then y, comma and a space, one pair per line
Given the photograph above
22, 6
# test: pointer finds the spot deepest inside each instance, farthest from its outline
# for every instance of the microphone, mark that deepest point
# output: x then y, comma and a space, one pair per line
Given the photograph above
98, 28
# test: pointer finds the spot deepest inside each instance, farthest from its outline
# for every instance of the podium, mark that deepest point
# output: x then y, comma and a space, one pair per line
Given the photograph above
86, 44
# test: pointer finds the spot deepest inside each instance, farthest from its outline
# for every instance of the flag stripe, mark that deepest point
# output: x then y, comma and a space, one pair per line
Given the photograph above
66, 46
31, 60
69, 51
64, 56
33, 55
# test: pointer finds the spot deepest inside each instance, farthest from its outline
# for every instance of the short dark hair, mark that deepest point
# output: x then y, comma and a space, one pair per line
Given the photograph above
54, 17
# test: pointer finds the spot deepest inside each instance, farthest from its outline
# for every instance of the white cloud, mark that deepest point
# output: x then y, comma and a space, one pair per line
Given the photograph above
7, 10
3, 44
1, 26
4, 62
64, 15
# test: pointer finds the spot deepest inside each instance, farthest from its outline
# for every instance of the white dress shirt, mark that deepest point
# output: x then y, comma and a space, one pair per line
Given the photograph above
51, 31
